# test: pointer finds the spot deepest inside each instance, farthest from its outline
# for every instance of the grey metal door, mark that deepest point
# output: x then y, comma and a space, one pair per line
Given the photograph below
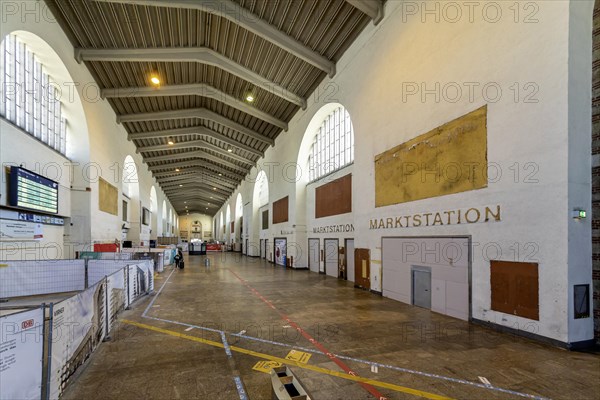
421, 283
331, 257
265, 249
350, 259
314, 255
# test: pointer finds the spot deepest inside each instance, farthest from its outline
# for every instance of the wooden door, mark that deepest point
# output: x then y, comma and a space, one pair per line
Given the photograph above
362, 268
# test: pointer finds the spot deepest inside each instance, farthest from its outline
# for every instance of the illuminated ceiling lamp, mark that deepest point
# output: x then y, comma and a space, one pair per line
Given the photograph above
249, 95
170, 141
154, 79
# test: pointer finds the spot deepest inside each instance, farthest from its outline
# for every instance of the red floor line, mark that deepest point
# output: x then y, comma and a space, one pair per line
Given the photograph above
312, 340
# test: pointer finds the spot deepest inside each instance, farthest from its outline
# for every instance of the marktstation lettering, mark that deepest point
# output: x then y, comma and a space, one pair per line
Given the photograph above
334, 228
453, 217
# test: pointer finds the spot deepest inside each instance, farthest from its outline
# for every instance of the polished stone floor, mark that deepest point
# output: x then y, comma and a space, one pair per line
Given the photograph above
206, 327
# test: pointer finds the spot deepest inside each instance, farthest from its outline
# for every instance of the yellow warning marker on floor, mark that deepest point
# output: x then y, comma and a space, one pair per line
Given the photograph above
314, 368
298, 356
3, 265
266, 366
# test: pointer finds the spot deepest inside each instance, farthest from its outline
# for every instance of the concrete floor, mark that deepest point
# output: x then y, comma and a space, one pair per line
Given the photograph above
170, 346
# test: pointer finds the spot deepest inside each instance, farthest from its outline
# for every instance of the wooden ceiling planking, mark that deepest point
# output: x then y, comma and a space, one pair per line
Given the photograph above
325, 26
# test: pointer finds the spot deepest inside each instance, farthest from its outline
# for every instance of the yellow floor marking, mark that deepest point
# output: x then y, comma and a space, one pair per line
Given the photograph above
314, 368
299, 356
3, 265
266, 366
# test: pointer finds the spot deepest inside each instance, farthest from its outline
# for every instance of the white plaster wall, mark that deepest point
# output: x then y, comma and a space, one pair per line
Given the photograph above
19, 148
528, 140
186, 221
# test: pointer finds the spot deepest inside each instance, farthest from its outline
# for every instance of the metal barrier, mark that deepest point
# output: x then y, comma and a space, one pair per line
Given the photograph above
67, 332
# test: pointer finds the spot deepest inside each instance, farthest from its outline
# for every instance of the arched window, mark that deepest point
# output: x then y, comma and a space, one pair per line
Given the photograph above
239, 206
261, 189
29, 99
333, 145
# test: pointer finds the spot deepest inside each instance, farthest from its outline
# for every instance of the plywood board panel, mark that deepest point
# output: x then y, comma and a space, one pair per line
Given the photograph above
108, 199
515, 288
280, 210
334, 198
449, 159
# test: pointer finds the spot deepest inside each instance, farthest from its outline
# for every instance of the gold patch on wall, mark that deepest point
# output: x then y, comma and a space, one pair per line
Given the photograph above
108, 197
451, 158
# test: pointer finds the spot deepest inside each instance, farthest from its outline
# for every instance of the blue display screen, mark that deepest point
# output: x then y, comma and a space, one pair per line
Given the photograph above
32, 191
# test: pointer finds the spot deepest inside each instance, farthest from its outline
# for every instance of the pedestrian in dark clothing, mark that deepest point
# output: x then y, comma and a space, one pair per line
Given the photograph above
179, 259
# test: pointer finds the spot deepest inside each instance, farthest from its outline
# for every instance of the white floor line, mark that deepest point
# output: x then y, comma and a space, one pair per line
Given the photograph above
371, 363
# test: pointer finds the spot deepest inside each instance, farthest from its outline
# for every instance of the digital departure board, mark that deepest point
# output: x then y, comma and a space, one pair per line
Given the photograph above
32, 191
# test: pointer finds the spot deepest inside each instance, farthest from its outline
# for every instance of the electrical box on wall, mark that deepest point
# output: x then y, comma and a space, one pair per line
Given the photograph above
581, 301
578, 214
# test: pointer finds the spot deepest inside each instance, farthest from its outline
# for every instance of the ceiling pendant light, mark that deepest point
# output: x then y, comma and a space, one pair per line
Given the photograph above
154, 79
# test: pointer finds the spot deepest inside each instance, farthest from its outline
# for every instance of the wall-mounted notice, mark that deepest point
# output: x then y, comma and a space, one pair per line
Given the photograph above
21, 353
77, 328
20, 230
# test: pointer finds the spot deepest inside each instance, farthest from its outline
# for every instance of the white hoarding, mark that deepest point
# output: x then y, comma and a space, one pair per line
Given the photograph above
77, 328
21, 353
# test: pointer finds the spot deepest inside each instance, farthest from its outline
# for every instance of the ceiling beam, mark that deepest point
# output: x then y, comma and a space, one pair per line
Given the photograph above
194, 130
200, 113
198, 177
196, 154
202, 55
191, 198
198, 172
197, 191
217, 198
233, 12
373, 8
195, 144
192, 179
212, 184
198, 89
196, 188
170, 166
195, 199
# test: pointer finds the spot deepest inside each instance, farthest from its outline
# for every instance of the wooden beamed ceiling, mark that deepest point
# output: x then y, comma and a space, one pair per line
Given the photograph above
196, 129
